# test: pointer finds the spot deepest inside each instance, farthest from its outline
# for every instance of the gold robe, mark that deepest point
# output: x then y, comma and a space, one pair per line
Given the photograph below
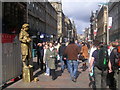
25, 43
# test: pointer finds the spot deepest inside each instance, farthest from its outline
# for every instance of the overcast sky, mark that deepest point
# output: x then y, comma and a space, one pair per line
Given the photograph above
79, 11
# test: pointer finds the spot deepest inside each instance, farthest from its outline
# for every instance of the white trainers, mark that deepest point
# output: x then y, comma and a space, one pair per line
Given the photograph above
46, 74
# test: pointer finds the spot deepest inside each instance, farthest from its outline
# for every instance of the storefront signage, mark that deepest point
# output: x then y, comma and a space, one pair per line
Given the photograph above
7, 38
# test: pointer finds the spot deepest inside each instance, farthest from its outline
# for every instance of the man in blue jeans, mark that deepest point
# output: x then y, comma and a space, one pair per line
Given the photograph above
72, 51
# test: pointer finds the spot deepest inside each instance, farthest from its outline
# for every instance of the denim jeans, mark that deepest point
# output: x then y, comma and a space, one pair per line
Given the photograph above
73, 68
47, 69
62, 63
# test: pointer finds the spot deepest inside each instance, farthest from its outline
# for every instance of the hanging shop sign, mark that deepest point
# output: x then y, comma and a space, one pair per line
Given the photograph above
109, 22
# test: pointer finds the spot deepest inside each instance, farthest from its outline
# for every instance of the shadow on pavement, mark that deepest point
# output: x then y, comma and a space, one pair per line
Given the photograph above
59, 73
39, 73
78, 73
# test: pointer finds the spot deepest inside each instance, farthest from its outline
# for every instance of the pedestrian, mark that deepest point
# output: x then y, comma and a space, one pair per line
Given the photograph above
47, 71
72, 51
51, 55
91, 74
110, 48
115, 61
56, 46
40, 55
101, 62
76, 42
61, 54
110, 76
66, 44
43, 44
84, 51
80, 45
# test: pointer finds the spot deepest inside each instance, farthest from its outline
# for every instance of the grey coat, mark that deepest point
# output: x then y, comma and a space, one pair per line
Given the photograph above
51, 57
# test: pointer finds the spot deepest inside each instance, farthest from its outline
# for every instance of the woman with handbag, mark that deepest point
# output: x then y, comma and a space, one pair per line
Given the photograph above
51, 55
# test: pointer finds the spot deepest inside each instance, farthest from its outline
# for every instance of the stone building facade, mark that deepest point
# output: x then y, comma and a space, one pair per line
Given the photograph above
43, 19
102, 22
93, 25
51, 21
37, 17
114, 12
58, 8
68, 28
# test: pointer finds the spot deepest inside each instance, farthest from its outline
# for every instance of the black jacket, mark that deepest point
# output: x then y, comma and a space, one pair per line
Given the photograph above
113, 57
61, 50
40, 51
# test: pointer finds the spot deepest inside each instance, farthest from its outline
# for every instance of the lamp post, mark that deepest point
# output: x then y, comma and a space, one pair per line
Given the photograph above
107, 26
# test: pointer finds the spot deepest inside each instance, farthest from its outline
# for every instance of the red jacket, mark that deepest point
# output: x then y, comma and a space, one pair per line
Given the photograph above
72, 51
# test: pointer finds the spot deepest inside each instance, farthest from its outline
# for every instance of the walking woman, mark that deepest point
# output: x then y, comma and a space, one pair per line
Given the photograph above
51, 55
47, 72
84, 51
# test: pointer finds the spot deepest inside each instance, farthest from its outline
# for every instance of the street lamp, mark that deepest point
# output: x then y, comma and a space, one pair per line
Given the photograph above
107, 26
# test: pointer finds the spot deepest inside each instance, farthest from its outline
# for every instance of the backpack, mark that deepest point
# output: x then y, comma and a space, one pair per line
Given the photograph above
103, 58
118, 49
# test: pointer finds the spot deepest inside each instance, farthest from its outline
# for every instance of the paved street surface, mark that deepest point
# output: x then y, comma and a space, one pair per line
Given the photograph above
63, 80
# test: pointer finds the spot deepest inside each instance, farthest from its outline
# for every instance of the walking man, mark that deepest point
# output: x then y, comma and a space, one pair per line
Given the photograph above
61, 52
72, 51
115, 61
40, 55
101, 63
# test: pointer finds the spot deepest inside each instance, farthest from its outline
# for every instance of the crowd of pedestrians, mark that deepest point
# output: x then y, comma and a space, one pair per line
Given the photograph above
104, 65
104, 61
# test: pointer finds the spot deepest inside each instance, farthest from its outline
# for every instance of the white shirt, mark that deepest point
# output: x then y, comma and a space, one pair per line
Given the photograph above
44, 55
91, 52
51, 49
110, 50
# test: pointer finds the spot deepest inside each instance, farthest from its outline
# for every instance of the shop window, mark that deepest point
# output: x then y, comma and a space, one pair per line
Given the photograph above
13, 17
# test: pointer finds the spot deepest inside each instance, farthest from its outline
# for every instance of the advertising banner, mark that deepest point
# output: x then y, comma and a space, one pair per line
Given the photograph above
109, 22
7, 38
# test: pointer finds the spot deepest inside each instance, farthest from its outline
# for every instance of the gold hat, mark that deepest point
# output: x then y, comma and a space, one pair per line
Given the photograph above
25, 25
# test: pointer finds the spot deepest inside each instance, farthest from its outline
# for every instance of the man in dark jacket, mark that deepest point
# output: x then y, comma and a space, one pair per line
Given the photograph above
72, 51
61, 52
114, 58
40, 52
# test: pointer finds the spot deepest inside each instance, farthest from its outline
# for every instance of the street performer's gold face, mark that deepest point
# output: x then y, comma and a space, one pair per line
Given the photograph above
25, 27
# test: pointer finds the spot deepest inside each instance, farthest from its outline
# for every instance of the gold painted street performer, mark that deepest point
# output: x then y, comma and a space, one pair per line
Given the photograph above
25, 45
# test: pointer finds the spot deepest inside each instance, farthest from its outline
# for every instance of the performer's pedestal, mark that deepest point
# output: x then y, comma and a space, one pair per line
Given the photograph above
28, 73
